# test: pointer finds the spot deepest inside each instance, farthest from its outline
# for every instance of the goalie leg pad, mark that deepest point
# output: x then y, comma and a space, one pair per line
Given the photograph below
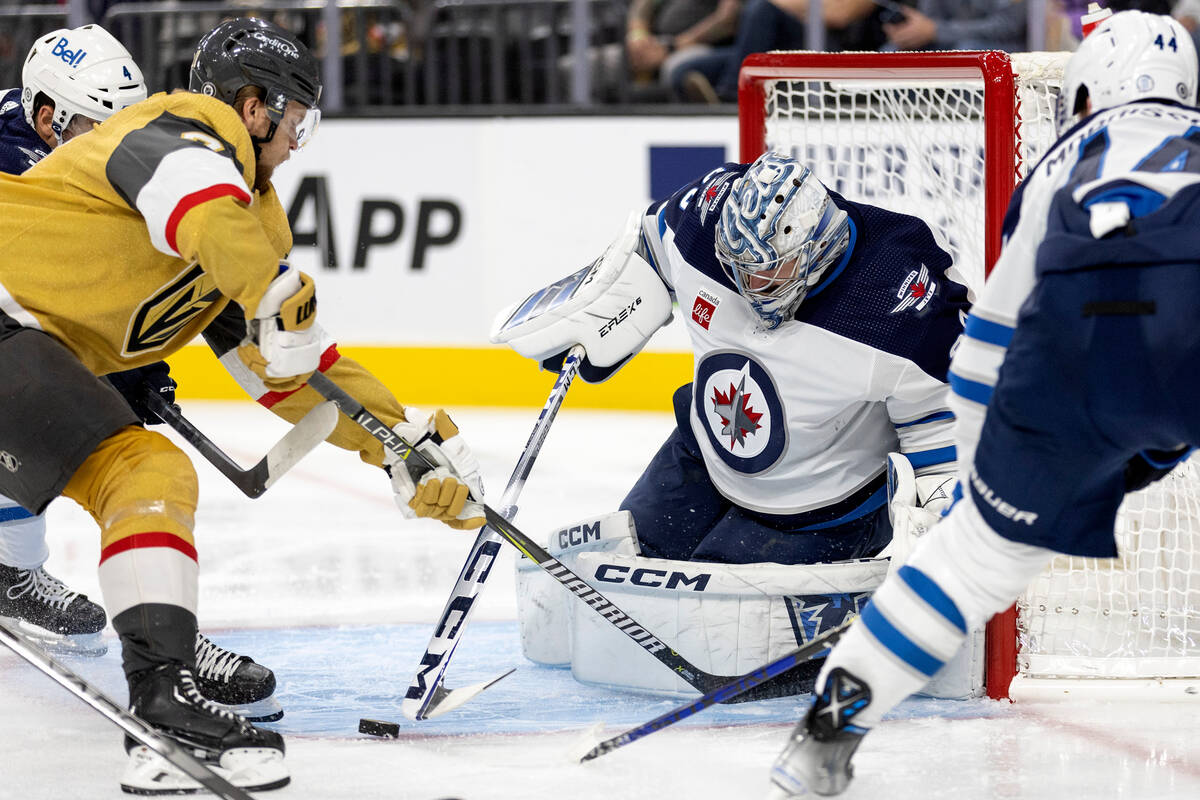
725, 619
544, 606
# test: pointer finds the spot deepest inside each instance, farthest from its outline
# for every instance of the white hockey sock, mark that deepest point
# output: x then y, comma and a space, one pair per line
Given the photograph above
959, 576
22, 537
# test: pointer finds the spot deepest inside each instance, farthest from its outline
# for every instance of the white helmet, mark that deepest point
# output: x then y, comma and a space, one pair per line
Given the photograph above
778, 232
1129, 56
84, 71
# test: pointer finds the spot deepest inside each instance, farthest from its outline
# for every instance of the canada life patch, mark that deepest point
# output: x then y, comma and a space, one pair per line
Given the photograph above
916, 291
743, 417
704, 307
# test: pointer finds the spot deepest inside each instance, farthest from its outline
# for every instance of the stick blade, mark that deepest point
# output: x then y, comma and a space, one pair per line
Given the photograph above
312, 429
443, 700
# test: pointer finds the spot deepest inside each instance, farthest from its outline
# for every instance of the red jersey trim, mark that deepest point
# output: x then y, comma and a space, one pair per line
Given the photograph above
328, 358
190, 201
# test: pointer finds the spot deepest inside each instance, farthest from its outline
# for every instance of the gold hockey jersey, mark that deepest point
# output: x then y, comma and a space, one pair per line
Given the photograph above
125, 243
101, 242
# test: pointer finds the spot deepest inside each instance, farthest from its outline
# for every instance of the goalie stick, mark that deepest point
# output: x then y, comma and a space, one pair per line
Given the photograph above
735, 688
426, 698
123, 719
306, 434
418, 465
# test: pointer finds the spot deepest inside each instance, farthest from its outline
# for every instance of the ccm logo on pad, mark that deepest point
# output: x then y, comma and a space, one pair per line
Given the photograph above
653, 578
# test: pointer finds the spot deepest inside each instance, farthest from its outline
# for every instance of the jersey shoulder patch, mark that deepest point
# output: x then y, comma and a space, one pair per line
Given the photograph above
892, 294
691, 214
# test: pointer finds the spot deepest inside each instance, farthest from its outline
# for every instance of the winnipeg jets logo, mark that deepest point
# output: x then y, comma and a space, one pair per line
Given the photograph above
740, 411
738, 418
916, 291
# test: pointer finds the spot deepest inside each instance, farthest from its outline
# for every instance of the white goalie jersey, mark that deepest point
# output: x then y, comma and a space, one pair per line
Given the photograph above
802, 417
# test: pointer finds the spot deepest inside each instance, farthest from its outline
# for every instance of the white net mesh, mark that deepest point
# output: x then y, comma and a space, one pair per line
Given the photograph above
916, 145
1135, 616
912, 144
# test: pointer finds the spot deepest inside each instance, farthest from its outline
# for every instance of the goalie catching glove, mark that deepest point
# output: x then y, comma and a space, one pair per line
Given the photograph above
284, 345
611, 307
445, 492
915, 505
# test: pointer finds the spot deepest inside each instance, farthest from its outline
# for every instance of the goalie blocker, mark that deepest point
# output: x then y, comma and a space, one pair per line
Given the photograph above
727, 619
612, 307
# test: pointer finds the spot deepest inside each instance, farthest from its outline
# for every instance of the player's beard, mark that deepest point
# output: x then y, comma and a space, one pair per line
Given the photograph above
262, 177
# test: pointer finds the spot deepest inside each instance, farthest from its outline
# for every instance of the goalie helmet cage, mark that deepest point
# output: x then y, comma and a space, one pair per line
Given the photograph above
947, 137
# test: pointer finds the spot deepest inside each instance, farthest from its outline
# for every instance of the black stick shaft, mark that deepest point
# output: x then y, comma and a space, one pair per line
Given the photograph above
124, 720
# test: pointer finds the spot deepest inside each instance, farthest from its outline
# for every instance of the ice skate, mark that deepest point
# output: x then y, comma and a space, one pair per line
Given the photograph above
236, 682
167, 698
41, 607
817, 757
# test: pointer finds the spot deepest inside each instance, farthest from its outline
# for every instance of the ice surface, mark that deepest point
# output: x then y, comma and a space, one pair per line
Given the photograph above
322, 580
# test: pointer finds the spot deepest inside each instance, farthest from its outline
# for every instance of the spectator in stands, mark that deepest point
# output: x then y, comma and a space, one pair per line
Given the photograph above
773, 25
657, 34
959, 25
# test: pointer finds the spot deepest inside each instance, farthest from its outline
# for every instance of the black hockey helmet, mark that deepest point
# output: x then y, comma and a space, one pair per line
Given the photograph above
254, 52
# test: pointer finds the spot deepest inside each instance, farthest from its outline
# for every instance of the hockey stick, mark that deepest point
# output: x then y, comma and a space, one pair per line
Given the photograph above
427, 698
123, 719
418, 465
735, 688
306, 434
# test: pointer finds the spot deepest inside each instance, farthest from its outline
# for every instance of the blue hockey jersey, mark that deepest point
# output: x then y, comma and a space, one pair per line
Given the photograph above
20, 146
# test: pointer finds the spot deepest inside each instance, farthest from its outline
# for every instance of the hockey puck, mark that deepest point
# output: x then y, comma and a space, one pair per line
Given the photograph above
377, 727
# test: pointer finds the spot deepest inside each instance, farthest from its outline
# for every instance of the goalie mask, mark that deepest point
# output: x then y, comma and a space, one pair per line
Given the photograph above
254, 52
85, 71
778, 233
1129, 56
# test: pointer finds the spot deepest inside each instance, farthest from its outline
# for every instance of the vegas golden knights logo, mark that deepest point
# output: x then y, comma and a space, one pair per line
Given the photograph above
161, 317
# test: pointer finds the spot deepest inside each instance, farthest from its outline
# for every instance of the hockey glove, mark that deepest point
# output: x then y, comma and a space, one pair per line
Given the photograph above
443, 493
284, 345
136, 383
915, 505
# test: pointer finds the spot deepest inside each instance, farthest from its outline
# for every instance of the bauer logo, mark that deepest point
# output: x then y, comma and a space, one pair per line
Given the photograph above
704, 307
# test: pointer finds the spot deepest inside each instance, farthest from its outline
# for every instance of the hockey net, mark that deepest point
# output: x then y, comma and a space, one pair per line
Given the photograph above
947, 137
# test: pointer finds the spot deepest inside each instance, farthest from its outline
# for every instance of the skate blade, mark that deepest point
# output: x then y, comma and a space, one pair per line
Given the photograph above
255, 769
266, 710
79, 644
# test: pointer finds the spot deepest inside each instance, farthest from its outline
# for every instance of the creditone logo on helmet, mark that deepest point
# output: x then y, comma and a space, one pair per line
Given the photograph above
283, 48
736, 399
